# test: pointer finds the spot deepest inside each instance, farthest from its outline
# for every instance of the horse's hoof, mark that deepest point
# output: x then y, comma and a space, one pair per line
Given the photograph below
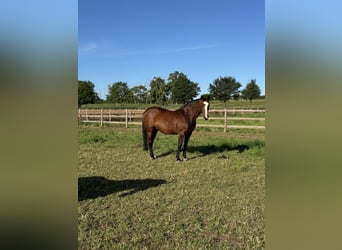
185, 159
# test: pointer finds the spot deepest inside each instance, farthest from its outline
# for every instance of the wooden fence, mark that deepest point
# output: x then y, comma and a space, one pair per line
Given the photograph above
133, 116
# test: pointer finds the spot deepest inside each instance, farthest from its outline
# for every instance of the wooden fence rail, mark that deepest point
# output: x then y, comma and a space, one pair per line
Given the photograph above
133, 116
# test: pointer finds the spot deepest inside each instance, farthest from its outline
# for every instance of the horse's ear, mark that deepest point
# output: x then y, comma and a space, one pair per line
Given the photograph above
205, 97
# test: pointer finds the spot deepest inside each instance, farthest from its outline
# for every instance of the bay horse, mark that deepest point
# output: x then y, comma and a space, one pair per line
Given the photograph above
181, 121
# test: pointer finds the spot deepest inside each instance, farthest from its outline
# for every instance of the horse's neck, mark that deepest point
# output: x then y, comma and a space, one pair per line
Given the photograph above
192, 113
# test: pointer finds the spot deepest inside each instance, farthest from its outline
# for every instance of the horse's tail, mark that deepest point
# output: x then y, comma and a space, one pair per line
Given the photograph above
144, 134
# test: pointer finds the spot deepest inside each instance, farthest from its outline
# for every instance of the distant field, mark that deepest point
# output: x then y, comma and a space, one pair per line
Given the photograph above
215, 200
259, 103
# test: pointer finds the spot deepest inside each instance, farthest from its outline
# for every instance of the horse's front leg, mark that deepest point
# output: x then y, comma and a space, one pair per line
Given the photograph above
186, 140
180, 142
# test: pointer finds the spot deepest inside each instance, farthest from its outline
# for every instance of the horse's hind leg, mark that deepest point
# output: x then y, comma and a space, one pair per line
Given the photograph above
152, 136
144, 134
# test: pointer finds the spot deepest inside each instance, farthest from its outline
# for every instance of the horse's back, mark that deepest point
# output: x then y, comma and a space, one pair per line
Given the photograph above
151, 112
149, 115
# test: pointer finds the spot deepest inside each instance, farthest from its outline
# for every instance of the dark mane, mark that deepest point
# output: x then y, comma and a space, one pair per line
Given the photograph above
190, 103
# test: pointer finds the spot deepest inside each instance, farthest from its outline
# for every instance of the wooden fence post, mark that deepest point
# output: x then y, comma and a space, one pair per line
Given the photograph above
101, 117
79, 116
126, 118
86, 114
225, 120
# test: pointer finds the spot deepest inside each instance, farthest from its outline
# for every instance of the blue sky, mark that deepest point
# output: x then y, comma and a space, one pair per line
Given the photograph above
135, 40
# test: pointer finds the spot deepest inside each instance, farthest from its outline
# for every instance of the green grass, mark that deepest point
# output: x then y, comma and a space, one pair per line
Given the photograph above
215, 200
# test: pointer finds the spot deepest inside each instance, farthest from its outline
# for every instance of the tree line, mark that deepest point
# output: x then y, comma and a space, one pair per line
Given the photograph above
177, 89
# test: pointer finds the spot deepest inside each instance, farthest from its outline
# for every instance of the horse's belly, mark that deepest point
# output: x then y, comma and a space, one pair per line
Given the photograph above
166, 129
171, 127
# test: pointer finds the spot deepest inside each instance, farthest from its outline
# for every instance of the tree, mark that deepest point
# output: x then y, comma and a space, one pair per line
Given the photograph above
119, 93
86, 93
181, 88
139, 94
224, 88
158, 90
251, 91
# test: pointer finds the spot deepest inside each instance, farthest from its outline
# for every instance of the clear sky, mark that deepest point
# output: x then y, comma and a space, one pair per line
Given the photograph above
135, 40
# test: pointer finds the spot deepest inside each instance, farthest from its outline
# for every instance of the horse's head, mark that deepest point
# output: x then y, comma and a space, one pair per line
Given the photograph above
205, 108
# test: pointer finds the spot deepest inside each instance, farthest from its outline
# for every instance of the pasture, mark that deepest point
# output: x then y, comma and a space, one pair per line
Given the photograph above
215, 200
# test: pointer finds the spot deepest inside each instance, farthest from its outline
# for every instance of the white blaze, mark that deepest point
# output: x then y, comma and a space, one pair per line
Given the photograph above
206, 104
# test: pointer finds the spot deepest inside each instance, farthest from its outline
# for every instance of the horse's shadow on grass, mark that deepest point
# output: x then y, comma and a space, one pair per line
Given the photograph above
209, 149
217, 149
93, 187
212, 149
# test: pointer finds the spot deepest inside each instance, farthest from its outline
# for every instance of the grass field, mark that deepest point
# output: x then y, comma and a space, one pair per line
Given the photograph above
215, 200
